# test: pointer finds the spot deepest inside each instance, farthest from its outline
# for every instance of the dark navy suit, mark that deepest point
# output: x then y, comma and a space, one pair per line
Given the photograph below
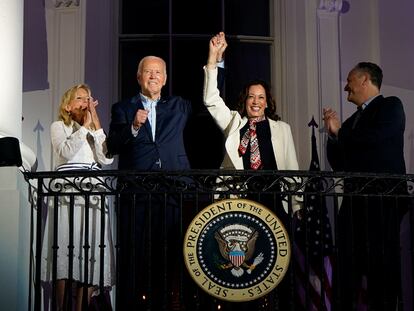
141, 152
373, 144
140, 217
140, 240
376, 142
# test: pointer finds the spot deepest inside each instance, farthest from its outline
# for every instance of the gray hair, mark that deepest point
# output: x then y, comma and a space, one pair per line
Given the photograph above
141, 62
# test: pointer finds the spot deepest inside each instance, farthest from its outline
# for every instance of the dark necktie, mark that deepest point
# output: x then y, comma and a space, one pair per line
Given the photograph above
357, 117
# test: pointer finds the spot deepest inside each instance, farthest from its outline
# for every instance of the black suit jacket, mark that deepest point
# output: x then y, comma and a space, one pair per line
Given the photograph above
142, 152
375, 144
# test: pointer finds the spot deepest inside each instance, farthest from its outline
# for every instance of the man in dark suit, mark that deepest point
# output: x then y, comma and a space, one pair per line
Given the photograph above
371, 141
158, 143
147, 133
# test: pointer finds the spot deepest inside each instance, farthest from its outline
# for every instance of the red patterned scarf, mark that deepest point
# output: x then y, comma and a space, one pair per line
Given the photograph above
251, 136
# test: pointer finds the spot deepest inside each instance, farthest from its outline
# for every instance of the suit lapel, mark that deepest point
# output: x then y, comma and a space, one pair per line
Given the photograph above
234, 140
276, 137
368, 112
161, 110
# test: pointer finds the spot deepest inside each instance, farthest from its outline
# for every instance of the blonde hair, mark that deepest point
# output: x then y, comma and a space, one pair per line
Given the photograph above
67, 97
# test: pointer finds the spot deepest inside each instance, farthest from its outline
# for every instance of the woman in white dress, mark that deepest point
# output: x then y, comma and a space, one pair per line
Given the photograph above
78, 143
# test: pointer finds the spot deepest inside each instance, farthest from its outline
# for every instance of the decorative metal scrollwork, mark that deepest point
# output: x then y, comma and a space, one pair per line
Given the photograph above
79, 184
220, 184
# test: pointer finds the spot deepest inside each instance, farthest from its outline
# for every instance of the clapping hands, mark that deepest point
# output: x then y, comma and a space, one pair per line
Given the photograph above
331, 121
91, 119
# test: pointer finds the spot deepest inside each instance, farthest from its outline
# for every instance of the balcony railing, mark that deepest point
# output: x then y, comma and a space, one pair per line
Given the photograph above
147, 214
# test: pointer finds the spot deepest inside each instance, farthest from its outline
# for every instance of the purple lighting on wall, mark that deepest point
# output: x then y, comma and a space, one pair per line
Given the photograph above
34, 47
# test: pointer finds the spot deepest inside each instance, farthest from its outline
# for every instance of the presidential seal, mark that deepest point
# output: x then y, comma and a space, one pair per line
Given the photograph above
236, 250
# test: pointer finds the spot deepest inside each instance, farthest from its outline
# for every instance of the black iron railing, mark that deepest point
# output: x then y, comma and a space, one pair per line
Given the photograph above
149, 212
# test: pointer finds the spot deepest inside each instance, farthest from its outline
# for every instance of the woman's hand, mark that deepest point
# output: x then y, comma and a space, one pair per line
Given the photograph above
93, 113
217, 46
222, 45
87, 120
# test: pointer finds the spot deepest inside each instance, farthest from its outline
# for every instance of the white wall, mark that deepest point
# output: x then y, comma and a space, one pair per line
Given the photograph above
14, 226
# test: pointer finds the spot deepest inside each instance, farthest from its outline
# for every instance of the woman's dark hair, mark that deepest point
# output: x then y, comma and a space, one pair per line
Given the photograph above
270, 111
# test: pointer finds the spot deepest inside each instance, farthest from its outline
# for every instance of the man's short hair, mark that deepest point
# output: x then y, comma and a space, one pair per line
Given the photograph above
374, 71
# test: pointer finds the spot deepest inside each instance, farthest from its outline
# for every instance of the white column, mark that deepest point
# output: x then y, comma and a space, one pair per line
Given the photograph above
11, 64
14, 211
329, 60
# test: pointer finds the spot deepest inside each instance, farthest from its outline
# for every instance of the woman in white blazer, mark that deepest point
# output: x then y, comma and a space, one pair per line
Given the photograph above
255, 139
276, 148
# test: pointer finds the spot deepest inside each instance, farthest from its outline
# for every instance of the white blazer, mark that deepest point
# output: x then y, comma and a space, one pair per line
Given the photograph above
230, 122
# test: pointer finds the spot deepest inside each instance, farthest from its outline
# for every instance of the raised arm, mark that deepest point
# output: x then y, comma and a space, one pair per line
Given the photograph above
211, 95
217, 46
93, 116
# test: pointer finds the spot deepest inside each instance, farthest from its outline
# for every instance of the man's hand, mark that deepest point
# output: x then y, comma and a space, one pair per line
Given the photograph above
222, 45
331, 121
140, 118
217, 47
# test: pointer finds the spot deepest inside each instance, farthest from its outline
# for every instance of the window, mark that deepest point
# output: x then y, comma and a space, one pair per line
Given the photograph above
179, 31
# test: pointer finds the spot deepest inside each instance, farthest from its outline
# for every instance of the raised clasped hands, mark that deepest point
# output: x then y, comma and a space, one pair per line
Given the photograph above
217, 46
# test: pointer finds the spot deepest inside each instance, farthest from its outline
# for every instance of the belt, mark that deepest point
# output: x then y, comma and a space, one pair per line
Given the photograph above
79, 166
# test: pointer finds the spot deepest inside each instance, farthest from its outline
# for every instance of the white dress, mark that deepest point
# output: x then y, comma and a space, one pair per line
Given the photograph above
75, 147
